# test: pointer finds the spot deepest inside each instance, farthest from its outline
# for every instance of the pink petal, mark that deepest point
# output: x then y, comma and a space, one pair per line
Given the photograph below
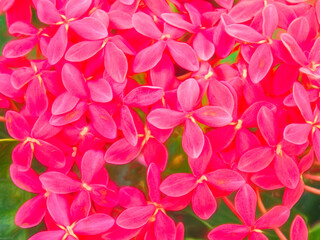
274, 218
102, 122
257, 236
266, 179
64, 103
143, 96
36, 97
212, 116
17, 126
292, 196
115, 62
135, 217
221, 138
229, 231
83, 50
301, 98
260, 63
164, 227
21, 76
153, 181
284, 78
220, 95
165, 118
286, 170
194, 14
178, 184
89, 28
192, 139
313, 55
121, 152
267, 125
188, 94
54, 202
27, 180
57, 45
223, 42
22, 156
246, 203
199, 165
299, 29
131, 197
47, 12
95, 224
149, 57
76, 8
176, 20
246, 140
294, 49
203, 202
81, 206
22, 28
60, 183
163, 73
19, 48
128, 127
244, 33
155, 152
316, 142
184, 55
73, 81
48, 235
120, 19
49, 155
31, 213
256, 159
100, 90
299, 229
92, 162
297, 133
225, 180
270, 20
144, 24
227, 4
72, 116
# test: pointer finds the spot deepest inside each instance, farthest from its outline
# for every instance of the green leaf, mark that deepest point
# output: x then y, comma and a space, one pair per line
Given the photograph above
314, 233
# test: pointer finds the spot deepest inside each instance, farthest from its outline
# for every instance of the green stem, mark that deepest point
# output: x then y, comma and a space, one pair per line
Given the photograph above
8, 140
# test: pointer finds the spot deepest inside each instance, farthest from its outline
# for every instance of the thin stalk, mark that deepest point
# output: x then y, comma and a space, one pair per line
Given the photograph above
232, 208
312, 189
311, 177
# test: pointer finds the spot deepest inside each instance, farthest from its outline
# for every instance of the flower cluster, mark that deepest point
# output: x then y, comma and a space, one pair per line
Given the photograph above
96, 83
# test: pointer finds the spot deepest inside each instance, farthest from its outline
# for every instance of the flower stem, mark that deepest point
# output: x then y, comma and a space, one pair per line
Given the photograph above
8, 140
312, 189
311, 177
232, 208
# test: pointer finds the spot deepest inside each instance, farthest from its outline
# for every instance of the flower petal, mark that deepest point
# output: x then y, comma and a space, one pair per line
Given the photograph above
115, 62
135, 217
178, 184
184, 55
192, 139
256, 159
95, 224
149, 57
203, 202
212, 116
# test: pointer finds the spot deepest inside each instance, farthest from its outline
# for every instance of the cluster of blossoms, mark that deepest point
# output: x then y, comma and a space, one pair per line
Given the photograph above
96, 83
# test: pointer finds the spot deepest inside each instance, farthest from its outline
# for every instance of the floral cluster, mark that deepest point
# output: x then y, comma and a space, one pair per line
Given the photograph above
96, 83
